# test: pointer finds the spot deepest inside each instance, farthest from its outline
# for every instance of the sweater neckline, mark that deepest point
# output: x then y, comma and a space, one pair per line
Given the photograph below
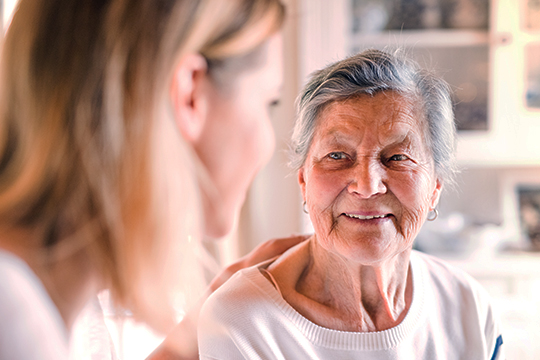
347, 340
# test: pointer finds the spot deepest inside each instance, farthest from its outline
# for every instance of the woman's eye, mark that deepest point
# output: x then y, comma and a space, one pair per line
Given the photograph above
274, 103
336, 155
271, 107
398, 157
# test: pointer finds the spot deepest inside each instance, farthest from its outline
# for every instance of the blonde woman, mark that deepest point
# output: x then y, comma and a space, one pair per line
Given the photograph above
129, 130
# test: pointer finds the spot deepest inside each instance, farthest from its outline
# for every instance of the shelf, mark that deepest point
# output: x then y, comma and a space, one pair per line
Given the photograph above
521, 265
423, 38
511, 141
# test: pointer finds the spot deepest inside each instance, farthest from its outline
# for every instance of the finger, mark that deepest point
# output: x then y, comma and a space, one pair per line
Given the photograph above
273, 248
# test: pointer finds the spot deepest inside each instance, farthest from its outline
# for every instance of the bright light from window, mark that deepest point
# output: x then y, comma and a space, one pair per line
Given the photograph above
9, 6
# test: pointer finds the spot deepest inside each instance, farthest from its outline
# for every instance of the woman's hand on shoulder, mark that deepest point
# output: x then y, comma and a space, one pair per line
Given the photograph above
265, 251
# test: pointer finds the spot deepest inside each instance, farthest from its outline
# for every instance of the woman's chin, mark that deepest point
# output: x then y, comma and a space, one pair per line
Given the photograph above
369, 254
218, 226
219, 218
217, 231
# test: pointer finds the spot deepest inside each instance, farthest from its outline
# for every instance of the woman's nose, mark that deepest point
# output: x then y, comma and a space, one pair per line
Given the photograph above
367, 179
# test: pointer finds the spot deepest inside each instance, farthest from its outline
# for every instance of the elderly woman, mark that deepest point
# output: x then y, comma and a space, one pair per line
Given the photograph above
373, 146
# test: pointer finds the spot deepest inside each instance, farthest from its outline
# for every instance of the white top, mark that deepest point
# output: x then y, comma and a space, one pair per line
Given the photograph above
450, 317
30, 325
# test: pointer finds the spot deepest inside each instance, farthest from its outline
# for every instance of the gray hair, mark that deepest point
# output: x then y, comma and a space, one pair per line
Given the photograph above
370, 72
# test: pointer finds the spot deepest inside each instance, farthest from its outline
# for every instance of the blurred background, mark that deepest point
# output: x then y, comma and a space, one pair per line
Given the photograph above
489, 224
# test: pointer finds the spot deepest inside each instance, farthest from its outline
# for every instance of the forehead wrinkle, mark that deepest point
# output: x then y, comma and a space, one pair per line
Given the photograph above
336, 136
398, 135
403, 115
344, 119
397, 121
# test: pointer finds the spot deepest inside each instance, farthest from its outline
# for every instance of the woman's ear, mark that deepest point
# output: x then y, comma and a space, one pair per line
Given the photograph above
187, 96
302, 182
436, 194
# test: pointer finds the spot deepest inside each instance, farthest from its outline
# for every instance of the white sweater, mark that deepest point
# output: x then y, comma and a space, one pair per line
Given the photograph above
450, 318
31, 327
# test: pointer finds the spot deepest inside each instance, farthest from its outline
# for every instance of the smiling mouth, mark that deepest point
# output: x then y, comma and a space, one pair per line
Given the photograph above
367, 217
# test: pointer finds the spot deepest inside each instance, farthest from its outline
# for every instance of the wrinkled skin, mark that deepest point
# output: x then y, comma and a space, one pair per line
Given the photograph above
369, 158
369, 183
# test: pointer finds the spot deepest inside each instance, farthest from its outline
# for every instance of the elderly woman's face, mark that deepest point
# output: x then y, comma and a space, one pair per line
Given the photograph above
369, 179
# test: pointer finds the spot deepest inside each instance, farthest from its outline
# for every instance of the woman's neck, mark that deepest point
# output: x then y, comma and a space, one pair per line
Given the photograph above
339, 294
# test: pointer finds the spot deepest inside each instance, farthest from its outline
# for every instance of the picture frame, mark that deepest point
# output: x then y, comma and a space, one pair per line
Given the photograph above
532, 68
532, 15
516, 187
528, 198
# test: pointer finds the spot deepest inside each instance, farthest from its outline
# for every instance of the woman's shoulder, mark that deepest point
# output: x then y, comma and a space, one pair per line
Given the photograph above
18, 281
28, 315
450, 282
249, 284
456, 292
244, 291
236, 310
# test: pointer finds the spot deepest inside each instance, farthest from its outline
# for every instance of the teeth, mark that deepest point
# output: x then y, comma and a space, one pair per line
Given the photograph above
361, 217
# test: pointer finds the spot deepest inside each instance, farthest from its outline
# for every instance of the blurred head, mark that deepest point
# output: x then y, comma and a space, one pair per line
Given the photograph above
373, 145
105, 109
226, 119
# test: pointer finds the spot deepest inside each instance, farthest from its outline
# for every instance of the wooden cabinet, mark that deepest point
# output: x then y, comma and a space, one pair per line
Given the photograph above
491, 58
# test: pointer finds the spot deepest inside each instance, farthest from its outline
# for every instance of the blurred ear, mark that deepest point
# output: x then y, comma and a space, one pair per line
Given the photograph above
436, 194
187, 95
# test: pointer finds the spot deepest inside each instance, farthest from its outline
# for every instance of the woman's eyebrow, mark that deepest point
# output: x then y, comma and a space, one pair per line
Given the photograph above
410, 141
338, 137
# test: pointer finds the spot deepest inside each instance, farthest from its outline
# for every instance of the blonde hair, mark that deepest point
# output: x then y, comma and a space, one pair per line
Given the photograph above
89, 156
